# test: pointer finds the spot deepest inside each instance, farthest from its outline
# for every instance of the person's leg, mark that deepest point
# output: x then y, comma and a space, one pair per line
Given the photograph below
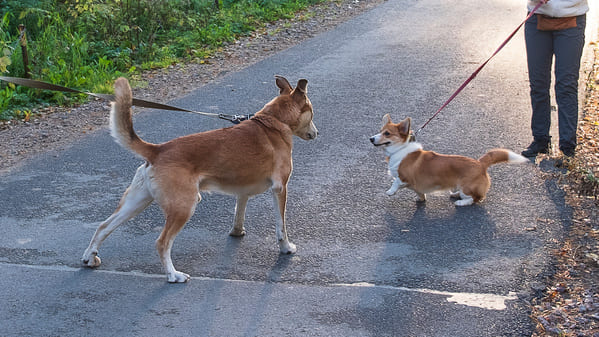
539, 52
568, 45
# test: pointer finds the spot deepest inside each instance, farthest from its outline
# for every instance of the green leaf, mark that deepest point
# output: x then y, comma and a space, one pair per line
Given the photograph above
4, 63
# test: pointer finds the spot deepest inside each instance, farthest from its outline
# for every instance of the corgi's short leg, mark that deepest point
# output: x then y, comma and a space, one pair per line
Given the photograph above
421, 197
397, 184
465, 200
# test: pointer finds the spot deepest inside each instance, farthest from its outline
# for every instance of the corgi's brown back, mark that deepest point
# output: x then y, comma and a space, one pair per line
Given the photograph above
427, 171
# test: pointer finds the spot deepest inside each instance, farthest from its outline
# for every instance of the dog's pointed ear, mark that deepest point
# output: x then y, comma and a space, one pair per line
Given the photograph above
301, 89
405, 125
386, 120
302, 86
283, 84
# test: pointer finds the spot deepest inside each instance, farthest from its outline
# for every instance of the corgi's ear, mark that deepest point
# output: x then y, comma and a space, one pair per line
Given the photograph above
283, 84
386, 120
405, 125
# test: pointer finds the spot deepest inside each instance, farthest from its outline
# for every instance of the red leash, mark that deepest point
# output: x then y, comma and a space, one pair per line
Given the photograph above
542, 2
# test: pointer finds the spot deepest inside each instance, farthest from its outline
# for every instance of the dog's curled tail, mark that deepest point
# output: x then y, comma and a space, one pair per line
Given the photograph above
121, 123
496, 156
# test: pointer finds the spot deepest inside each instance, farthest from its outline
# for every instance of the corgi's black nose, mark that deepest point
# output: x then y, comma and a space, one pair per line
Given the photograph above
372, 140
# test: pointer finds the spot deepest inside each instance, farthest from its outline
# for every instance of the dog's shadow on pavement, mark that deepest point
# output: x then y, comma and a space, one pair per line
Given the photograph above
440, 237
231, 257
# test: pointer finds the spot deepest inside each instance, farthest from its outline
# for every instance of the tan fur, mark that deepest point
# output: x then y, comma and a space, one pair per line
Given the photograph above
242, 160
427, 171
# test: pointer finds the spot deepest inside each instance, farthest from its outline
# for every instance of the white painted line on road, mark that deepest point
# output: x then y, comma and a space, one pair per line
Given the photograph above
71, 269
484, 301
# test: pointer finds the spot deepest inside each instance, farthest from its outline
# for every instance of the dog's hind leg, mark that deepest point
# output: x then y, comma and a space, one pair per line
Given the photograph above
238, 229
178, 202
135, 199
164, 244
280, 203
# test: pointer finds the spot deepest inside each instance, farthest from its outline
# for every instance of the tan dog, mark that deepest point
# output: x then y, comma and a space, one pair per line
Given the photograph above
243, 160
427, 171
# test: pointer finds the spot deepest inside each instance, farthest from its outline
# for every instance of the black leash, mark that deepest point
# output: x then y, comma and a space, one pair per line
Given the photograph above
235, 119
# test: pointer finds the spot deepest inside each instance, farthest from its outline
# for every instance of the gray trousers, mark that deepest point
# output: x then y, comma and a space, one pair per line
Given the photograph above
567, 47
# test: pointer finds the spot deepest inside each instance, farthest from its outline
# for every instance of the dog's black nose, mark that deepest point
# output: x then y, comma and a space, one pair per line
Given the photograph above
372, 140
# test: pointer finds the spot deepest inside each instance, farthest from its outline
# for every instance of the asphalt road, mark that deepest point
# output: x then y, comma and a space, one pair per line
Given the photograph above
367, 264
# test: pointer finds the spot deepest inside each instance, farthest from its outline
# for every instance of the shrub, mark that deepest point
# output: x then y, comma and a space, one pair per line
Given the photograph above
86, 44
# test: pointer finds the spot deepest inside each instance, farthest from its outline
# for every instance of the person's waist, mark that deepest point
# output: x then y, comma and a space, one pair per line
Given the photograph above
558, 17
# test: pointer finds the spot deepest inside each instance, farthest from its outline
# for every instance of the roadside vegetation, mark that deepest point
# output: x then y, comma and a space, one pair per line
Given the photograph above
86, 44
569, 305
583, 169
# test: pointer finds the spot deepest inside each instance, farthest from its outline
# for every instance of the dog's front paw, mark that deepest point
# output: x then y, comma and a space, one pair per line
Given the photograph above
397, 184
178, 277
286, 247
91, 260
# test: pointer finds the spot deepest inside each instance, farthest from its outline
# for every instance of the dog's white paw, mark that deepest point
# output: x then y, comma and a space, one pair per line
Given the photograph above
397, 184
91, 260
286, 247
178, 277
464, 202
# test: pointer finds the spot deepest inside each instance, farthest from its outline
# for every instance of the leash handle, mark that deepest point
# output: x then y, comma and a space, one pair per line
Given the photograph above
541, 2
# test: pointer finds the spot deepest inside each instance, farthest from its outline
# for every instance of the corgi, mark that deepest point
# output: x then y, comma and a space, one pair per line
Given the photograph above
426, 171
243, 160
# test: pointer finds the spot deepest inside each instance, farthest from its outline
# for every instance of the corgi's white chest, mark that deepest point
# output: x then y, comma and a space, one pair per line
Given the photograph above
397, 153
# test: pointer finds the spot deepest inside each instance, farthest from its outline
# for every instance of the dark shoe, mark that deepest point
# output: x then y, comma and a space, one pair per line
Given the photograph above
535, 148
568, 152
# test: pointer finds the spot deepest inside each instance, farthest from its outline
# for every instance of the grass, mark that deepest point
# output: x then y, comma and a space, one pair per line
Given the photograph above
86, 44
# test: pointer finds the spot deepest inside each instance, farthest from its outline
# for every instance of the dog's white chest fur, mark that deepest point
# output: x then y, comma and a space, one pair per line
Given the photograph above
398, 152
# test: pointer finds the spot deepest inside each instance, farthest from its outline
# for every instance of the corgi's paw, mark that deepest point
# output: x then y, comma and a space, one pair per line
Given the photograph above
397, 184
421, 197
464, 202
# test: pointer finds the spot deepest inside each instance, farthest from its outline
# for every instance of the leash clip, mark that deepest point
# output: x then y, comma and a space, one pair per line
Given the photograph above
412, 137
235, 119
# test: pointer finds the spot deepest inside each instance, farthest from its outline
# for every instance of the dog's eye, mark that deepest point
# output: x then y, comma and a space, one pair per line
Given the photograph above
386, 133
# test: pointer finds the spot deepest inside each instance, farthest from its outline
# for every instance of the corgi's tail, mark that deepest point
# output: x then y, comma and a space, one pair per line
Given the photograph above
501, 156
121, 123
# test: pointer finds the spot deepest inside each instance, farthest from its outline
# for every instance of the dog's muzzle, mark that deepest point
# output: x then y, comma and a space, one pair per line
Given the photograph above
373, 141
